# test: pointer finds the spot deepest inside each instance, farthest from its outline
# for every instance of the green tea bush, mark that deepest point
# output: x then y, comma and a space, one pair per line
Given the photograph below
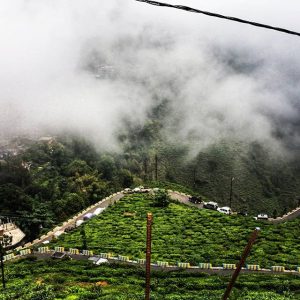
187, 234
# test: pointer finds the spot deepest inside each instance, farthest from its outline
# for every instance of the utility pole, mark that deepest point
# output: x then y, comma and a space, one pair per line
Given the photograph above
146, 168
241, 263
156, 167
230, 196
194, 177
148, 255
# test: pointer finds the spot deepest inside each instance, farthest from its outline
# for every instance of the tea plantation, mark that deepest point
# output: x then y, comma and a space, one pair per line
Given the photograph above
185, 234
74, 280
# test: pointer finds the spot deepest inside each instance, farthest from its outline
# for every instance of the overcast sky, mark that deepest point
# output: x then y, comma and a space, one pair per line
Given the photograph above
223, 79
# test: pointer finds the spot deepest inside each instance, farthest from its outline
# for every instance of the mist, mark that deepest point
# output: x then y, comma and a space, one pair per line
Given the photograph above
85, 66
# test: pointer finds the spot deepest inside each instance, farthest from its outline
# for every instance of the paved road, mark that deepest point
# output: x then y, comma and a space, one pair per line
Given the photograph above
154, 267
185, 199
71, 222
175, 196
114, 198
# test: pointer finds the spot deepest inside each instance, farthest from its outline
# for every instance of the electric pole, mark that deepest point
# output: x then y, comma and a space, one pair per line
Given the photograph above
230, 196
156, 167
194, 178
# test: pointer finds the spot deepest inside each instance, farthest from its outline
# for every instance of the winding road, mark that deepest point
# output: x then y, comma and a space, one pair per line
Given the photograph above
178, 196
181, 197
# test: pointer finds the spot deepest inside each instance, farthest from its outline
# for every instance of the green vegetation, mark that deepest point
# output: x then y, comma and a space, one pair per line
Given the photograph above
265, 182
79, 280
186, 234
54, 180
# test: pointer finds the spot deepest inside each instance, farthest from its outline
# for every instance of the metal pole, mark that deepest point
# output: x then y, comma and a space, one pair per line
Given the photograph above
241, 263
148, 255
2, 265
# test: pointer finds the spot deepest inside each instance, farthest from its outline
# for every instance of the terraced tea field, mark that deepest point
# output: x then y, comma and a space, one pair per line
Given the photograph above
81, 280
186, 234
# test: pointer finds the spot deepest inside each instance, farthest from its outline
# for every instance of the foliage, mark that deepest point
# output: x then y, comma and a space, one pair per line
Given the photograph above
187, 234
50, 182
82, 280
161, 199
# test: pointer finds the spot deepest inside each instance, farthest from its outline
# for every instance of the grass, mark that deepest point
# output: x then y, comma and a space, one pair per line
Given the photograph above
186, 234
79, 280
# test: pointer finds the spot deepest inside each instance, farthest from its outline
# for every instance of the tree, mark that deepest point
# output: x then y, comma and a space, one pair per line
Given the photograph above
126, 178
161, 199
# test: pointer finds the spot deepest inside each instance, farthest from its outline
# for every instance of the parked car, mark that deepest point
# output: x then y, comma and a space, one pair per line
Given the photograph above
195, 200
98, 211
211, 205
262, 217
88, 216
79, 222
243, 213
138, 189
127, 191
224, 210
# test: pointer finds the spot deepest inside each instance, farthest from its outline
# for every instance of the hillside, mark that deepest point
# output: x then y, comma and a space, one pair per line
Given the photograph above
50, 181
185, 234
265, 180
80, 280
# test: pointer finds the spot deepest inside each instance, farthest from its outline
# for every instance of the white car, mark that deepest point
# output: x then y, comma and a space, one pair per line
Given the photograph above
211, 205
127, 191
262, 217
79, 222
224, 210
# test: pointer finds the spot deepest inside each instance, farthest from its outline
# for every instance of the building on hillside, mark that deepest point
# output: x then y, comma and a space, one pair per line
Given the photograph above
14, 231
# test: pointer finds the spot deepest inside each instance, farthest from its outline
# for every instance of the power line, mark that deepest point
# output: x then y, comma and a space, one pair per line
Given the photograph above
234, 19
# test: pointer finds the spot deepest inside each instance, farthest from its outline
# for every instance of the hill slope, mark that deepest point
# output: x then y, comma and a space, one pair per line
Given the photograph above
78, 280
186, 234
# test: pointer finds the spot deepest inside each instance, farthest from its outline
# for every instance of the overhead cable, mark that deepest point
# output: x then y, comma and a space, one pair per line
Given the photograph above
234, 19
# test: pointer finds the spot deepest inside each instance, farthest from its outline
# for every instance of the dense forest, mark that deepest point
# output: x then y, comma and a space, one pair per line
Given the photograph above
52, 180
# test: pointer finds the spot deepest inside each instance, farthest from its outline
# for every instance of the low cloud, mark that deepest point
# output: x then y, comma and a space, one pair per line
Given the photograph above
85, 66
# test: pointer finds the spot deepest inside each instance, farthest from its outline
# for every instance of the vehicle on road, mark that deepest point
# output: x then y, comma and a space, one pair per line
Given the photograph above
211, 205
262, 217
79, 222
87, 216
195, 200
98, 211
243, 213
224, 210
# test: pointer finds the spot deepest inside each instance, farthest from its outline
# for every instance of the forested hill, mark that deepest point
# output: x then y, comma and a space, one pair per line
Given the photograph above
54, 179
263, 182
